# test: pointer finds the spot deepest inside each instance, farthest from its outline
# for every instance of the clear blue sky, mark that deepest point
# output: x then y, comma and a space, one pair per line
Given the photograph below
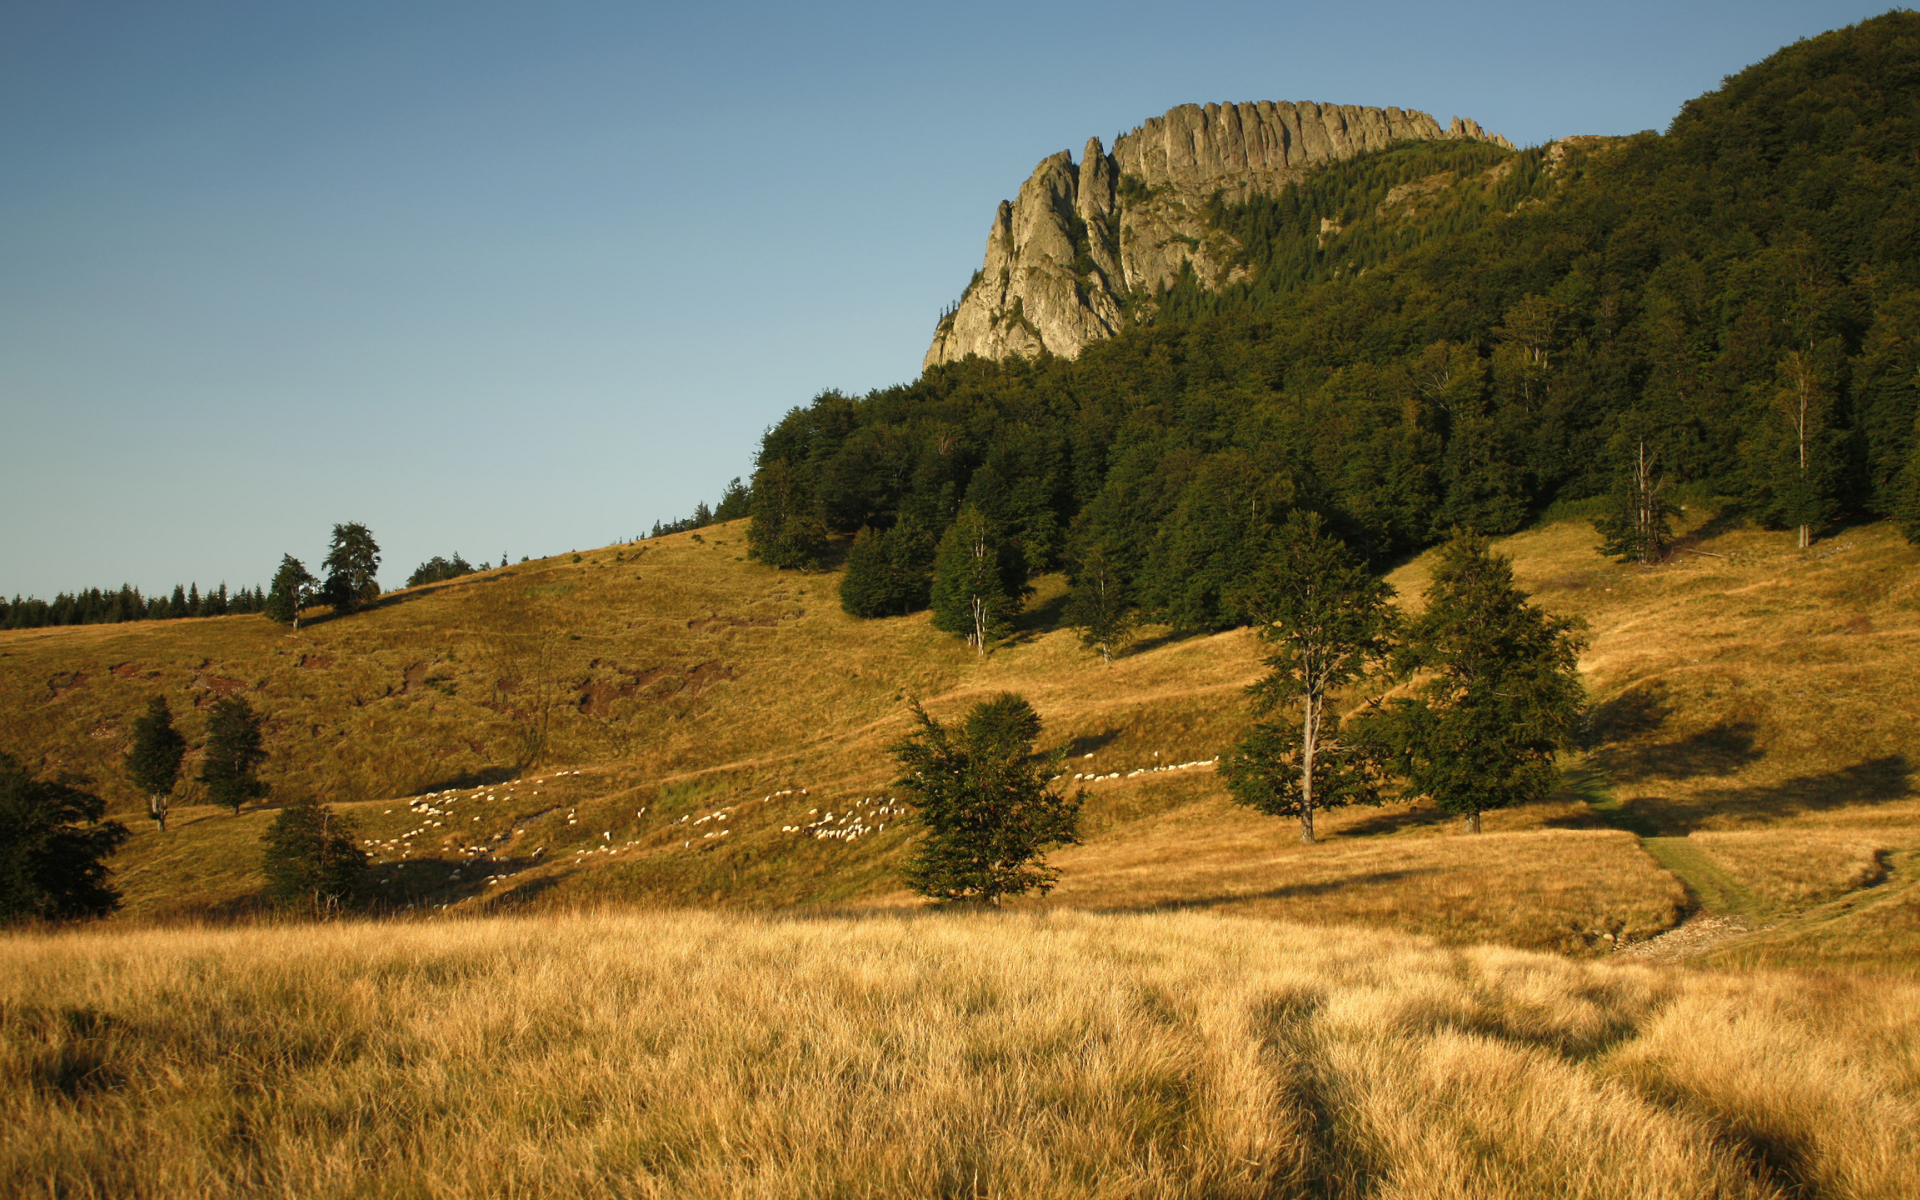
526, 278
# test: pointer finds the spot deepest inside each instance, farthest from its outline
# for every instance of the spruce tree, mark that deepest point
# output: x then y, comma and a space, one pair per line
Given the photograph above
352, 561
313, 859
978, 581
1499, 690
292, 588
1329, 621
52, 841
986, 801
233, 754
154, 762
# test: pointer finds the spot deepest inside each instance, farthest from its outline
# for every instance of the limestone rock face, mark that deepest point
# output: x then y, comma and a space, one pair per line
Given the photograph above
1082, 250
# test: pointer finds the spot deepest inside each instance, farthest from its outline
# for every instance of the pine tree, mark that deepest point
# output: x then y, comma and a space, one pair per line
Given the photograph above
985, 799
352, 561
978, 581
1789, 457
52, 841
292, 588
154, 762
313, 859
233, 754
1329, 621
1500, 695
1099, 605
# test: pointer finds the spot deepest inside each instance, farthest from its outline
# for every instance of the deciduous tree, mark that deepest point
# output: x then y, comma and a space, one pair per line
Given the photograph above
987, 803
1329, 621
978, 580
1498, 691
52, 841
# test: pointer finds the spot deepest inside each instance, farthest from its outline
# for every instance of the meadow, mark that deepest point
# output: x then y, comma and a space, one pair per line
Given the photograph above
666, 723
698, 1054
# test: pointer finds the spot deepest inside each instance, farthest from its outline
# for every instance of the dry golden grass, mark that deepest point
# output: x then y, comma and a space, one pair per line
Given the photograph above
1796, 869
1040, 1054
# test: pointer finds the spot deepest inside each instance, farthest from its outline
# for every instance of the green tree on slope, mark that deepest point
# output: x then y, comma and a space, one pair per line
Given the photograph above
154, 762
234, 753
52, 841
985, 799
1500, 690
1329, 621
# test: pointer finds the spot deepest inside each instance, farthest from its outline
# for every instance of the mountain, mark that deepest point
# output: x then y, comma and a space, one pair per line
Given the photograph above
1082, 249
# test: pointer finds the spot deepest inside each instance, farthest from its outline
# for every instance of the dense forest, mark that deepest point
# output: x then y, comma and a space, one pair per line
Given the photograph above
95, 606
1439, 336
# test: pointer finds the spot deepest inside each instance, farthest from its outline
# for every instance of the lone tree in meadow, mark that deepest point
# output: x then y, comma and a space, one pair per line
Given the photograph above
352, 561
290, 591
234, 753
313, 859
1329, 621
978, 581
52, 841
986, 801
1098, 606
1500, 691
154, 762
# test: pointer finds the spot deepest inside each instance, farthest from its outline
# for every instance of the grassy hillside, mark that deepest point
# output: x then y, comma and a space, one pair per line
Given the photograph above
667, 722
1059, 1055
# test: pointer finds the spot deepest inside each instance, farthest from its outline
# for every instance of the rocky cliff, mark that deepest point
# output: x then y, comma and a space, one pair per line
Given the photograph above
1084, 247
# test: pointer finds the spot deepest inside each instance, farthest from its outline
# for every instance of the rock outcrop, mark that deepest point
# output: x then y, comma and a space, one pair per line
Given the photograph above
1083, 246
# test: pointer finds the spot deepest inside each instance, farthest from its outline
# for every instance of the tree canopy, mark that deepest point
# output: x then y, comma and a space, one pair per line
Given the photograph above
985, 800
52, 843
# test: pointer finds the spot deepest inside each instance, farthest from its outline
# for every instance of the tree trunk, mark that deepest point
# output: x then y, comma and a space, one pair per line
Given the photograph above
157, 809
1309, 743
1473, 821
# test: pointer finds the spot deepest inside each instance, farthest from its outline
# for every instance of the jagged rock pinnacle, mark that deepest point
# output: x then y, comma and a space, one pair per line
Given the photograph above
1066, 255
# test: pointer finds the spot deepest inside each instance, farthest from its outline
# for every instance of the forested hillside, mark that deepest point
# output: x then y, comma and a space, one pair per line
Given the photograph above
1439, 336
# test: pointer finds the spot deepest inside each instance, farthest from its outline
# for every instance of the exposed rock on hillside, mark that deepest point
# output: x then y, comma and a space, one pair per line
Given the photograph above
1082, 248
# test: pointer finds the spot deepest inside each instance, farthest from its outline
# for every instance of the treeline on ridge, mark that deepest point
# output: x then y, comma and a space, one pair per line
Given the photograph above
1473, 335
95, 606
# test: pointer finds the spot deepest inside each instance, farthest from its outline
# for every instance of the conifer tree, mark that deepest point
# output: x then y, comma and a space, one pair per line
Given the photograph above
984, 797
1329, 621
234, 752
1500, 690
313, 859
292, 588
154, 762
978, 581
352, 561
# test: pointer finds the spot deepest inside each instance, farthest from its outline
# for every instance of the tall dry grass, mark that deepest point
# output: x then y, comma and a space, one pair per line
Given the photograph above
1024, 1055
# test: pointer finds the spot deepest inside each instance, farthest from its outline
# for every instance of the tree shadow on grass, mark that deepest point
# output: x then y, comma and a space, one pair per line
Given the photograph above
1719, 750
481, 777
1874, 781
1087, 743
1292, 891
1412, 816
